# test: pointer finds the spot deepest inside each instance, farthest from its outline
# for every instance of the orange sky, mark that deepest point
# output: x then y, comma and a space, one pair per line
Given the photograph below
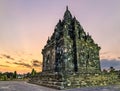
21, 61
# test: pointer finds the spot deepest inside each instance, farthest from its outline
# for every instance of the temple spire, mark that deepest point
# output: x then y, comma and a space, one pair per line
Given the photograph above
66, 8
67, 14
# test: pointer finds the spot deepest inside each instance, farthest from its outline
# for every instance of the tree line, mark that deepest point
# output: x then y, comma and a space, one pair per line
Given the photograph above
15, 76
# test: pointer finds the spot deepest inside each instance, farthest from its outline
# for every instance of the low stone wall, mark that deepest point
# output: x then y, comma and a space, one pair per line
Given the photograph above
48, 79
60, 81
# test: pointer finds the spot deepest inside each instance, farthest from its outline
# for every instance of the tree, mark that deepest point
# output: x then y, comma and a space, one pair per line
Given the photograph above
27, 75
15, 74
33, 73
0, 74
119, 74
112, 69
4, 77
8, 74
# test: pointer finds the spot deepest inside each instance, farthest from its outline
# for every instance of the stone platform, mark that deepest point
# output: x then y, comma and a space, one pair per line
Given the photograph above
53, 80
63, 81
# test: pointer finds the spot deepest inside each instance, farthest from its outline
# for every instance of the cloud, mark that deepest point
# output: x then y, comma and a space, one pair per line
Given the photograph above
7, 56
118, 57
103, 53
4, 66
23, 64
8, 62
107, 63
19, 61
36, 63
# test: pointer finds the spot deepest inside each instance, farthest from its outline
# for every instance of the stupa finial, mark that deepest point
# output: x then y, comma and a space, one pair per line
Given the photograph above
67, 7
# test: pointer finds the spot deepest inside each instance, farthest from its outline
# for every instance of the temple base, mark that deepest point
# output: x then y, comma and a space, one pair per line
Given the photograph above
73, 80
53, 80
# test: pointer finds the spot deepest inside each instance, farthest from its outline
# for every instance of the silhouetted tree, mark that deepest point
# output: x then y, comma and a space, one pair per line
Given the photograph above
8, 74
28, 75
119, 74
33, 73
0, 73
4, 77
15, 74
112, 69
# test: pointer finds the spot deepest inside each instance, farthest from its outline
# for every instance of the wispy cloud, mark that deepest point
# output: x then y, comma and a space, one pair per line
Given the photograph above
23, 64
7, 56
8, 62
103, 53
4, 66
36, 63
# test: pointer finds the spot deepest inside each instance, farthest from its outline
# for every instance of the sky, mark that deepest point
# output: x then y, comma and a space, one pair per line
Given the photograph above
25, 26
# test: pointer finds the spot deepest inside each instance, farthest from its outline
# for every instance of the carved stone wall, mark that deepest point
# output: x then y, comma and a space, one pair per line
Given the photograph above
49, 57
70, 49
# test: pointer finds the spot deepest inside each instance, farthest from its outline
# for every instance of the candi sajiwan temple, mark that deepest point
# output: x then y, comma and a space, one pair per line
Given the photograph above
69, 55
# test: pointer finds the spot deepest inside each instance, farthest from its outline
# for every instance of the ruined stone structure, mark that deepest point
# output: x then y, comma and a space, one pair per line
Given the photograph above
68, 54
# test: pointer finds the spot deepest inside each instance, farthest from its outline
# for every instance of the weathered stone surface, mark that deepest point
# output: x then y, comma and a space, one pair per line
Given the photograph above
70, 49
68, 54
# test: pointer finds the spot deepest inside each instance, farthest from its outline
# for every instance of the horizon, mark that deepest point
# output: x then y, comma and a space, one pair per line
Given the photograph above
26, 25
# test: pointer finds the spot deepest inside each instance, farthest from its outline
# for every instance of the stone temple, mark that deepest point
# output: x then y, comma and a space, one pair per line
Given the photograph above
69, 54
